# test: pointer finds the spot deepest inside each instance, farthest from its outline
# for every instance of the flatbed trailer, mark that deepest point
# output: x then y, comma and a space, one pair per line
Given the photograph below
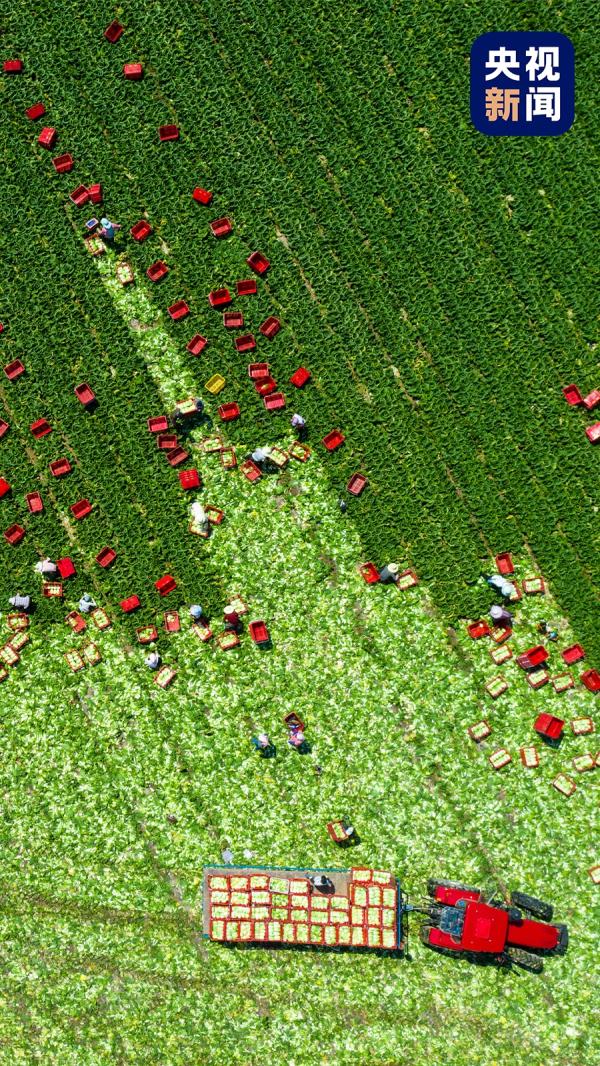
363, 908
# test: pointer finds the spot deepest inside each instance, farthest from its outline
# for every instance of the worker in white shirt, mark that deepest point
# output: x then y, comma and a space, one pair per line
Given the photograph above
46, 567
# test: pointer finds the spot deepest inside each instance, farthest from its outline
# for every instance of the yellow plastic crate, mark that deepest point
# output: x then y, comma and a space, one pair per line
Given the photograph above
215, 384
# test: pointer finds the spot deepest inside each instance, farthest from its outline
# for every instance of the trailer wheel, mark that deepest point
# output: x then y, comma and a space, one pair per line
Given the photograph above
434, 883
524, 959
534, 906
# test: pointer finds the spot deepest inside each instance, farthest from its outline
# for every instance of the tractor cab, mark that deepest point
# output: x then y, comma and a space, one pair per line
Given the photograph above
484, 928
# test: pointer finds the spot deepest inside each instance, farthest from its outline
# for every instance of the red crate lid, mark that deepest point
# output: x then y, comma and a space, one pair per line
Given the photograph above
12, 66
133, 71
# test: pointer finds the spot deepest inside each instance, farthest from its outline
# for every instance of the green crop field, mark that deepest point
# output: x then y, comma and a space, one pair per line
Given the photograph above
441, 288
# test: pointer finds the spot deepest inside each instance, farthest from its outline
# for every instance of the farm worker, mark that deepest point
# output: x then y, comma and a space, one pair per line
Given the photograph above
263, 745
199, 405
389, 573
324, 884
297, 422
22, 603
259, 455
296, 738
343, 506
199, 515
108, 228
196, 612
86, 603
348, 830
152, 660
45, 567
231, 617
504, 587
501, 616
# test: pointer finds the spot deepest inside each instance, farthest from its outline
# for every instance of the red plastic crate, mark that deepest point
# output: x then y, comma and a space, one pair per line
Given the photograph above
219, 298
63, 163
245, 288
12, 66
245, 343
76, 621
95, 193
333, 440
166, 441
593, 433
250, 470
537, 655
592, 399
140, 230
80, 509
35, 111
197, 344
356, 484
369, 572
265, 385
80, 196
221, 227
165, 584
168, 133
113, 32
178, 310
157, 270
505, 564
131, 603
35, 504
105, 557
176, 456
172, 622
189, 479
84, 394
274, 402
158, 424
300, 377
41, 428
591, 680
14, 534
270, 327
4, 487
60, 467
477, 630
4, 428
258, 370
258, 632
48, 137
572, 395
66, 567
228, 412
202, 196
573, 654
258, 262
14, 370
548, 725
233, 320
133, 71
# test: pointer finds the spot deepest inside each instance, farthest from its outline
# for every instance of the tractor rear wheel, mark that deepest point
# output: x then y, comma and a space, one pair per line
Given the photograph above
525, 960
433, 883
534, 906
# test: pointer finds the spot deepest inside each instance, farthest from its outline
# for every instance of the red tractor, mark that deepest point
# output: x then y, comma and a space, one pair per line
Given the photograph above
518, 930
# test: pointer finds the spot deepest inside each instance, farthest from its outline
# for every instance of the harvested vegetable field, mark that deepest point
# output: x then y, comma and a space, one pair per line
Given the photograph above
440, 289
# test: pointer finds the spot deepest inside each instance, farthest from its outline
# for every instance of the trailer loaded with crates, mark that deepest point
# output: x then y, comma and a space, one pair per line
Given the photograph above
361, 907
